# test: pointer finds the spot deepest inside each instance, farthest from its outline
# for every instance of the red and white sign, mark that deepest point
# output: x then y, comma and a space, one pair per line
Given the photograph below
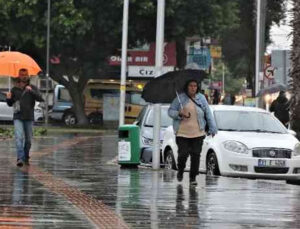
269, 72
147, 57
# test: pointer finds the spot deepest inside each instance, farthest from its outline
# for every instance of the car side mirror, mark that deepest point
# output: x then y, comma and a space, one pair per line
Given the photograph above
292, 132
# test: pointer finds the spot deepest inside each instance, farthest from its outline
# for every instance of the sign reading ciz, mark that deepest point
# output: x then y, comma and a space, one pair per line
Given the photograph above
146, 71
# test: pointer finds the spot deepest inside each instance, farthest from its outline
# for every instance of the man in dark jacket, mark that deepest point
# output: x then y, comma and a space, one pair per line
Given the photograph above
22, 97
280, 107
216, 97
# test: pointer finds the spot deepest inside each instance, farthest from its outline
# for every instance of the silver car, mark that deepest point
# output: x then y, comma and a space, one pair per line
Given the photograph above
6, 112
145, 121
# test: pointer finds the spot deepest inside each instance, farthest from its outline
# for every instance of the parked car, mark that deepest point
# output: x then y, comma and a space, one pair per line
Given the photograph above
250, 142
145, 121
94, 95
6, 112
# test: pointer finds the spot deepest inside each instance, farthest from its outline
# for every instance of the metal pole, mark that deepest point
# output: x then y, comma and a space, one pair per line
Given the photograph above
123, 62
9, 78
257, 54
263, 9
284, 53
223, 78
159, 50
47, 62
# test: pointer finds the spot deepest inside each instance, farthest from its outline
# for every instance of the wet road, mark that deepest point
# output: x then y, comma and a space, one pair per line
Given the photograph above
74, 182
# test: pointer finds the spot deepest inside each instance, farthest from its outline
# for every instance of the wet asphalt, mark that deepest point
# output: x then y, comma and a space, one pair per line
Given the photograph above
74, 181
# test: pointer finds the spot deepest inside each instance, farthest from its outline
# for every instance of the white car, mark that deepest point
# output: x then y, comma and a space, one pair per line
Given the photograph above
250, 142
145, 121
6, 112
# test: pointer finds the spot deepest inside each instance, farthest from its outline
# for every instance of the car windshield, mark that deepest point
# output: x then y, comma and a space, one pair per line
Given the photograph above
165, 119
248, 121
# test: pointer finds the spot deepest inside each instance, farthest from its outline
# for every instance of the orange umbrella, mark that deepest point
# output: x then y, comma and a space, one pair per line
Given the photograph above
12, 62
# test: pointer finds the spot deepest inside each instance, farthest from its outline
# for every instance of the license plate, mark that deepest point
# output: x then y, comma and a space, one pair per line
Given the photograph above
271, 163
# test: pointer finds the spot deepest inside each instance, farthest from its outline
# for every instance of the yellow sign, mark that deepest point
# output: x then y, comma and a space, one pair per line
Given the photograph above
215, 51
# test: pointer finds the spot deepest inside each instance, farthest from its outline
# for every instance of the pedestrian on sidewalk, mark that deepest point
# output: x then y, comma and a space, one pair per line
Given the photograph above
216, 97
281, 106
190, 113
228, 99
22, 97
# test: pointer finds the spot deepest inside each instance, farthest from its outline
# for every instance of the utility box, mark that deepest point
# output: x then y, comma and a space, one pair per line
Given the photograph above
129, 145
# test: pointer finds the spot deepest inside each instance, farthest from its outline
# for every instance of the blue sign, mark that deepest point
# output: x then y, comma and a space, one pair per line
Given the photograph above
200, 56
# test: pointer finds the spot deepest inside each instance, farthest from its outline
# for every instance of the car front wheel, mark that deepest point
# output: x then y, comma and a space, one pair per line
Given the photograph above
69, 119
212, 167
169, 160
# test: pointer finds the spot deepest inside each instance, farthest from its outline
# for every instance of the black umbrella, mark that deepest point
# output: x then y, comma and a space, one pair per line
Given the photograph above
163, 88
272, 89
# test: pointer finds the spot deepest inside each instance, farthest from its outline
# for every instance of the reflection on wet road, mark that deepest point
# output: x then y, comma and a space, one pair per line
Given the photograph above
73, 182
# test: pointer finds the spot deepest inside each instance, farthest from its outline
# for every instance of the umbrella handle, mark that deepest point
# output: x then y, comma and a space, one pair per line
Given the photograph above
179, 100
188, 116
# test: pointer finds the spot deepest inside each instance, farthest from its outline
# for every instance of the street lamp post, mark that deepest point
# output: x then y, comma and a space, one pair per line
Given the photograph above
158, 67
223, 78
123, 62
47, 61
257, 54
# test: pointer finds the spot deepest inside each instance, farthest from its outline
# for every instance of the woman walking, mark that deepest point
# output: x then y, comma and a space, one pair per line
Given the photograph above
190, 113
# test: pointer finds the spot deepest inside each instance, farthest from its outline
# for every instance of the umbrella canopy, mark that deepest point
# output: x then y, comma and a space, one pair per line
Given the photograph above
12, 62
272, 89
163, 88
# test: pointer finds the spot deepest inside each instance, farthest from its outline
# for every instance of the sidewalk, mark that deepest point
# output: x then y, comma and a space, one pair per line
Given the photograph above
74, 182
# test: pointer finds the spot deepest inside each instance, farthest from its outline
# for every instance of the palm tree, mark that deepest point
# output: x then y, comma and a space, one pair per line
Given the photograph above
295, 69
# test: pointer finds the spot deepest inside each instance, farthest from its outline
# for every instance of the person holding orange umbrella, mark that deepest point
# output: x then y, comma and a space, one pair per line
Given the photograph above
22, 98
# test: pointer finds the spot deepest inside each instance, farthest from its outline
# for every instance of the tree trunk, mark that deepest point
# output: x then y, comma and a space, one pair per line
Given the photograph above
78, 105
180, 53
295, 70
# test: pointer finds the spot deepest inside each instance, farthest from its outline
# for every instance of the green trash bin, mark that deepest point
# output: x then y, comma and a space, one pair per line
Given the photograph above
129, 145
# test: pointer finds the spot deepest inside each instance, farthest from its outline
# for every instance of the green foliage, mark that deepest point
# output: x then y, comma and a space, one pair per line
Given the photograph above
87, 31
233, 85
39, 131
6, 132
202, 18
238, 44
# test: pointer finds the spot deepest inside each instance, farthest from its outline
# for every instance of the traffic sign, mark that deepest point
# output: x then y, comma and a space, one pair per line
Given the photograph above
269, 72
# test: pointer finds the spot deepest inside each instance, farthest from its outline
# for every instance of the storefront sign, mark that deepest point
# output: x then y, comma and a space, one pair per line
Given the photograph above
147, 57
199, 56
215, 51
146, 71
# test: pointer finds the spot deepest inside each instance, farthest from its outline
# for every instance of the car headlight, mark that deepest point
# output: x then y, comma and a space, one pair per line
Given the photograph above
37, 110
235, 146
297, 149
149, 141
